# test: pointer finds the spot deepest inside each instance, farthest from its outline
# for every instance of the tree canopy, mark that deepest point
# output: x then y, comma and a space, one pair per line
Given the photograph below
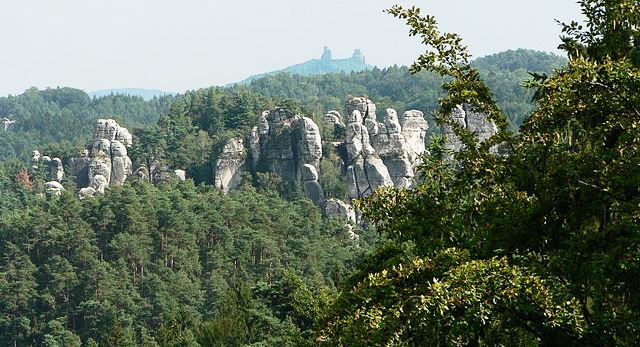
535, 247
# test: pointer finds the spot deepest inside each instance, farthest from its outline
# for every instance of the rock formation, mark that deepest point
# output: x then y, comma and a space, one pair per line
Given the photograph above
56, 169
287, 142
338, 209
106, 161
52, 169
180, 174
290, 146
8, 123
333, 117
474, 121
86, 192
376, 154
381, 154
414, 129
228, 168
36, 157
311, 185
53, 188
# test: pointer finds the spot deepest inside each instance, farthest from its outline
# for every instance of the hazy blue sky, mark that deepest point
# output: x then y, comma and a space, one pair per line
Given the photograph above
177, 45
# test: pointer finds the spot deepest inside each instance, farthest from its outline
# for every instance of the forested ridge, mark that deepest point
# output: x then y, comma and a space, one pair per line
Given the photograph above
60, 120
529, 238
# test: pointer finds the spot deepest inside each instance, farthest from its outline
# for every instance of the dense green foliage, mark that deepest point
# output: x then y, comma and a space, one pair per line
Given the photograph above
146, 94
398, 88
536, 247
59, 121
167, 265
514, 250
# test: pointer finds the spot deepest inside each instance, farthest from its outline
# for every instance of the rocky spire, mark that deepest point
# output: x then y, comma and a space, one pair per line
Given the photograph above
106, 160
357, 55
326, 55
475, 122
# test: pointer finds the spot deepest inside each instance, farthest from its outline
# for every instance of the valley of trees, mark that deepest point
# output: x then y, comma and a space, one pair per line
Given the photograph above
536, 246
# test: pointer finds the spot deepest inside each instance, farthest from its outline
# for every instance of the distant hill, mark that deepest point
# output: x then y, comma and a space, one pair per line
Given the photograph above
146, 94
521, 59
326, 64
395, 87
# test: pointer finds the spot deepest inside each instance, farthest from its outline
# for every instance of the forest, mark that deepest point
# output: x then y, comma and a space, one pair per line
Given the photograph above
537, 244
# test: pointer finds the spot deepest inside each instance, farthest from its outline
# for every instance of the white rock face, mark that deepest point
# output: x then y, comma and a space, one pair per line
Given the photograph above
338, 209
86, 192
8, 123
471, 120
57, 170
309, 142
333, 117
414, 129
121, 166
36, 157
378, 154
375, 154
99, 183
287, 142
310, 183
106, 160
396, 154
335, 208
180, 174
228, 168
53, 188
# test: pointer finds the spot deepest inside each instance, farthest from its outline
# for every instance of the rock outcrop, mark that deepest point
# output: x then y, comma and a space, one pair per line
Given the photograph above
53, 169
56, 169
290, 146
53, 188
36, 157
374, 154
106, 161
180, 174
228, 168
474, 121
286, 143
338, 209
414, 129
311, 185
333, 117
7, 123
381, 154
365, 169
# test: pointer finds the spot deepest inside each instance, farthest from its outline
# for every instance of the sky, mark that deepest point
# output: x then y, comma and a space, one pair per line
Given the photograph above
179, 45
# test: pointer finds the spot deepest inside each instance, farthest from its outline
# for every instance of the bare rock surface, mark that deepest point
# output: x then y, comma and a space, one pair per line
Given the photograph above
53, 188
469, 119
106, 160
228, 168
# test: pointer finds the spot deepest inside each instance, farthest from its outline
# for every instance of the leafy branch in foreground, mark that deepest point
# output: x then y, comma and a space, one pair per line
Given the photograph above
539, 247
448, 57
